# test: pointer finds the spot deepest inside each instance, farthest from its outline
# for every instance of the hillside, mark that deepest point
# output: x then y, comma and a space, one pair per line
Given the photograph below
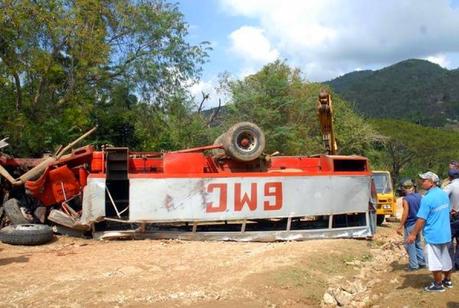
414, 90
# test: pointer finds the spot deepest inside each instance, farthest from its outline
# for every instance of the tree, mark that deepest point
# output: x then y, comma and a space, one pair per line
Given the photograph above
283, 104
62, 59
175, 128
409, 148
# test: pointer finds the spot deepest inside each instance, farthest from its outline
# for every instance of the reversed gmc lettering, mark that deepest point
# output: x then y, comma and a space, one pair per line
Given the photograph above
272, 197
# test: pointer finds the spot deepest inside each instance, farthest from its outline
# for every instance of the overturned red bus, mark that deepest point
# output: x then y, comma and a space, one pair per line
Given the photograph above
227, 191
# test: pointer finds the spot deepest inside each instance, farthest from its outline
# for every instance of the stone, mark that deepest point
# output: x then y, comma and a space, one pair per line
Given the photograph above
343, 298
328, 299
373, 282
357, 287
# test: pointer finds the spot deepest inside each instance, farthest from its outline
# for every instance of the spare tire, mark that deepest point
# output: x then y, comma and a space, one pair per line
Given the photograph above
244, 141
26, 234
14, 213
219, 140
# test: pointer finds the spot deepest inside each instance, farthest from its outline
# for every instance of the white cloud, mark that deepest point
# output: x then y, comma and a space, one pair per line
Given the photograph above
247, 70
250, 44
330, 36
209, 87
440, 59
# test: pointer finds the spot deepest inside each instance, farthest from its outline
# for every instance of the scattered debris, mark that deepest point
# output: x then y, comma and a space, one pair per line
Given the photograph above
357, 293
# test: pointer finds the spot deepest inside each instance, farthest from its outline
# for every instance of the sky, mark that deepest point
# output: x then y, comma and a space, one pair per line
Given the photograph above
323, 38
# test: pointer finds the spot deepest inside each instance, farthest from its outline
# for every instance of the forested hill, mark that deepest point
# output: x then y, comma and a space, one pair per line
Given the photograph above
414, 90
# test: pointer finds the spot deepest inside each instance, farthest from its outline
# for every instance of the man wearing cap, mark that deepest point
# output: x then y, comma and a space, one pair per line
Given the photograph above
452, 190
411, 202
433, 219
453, 165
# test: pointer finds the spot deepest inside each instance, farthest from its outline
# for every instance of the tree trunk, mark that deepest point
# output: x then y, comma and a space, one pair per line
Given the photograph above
17, 83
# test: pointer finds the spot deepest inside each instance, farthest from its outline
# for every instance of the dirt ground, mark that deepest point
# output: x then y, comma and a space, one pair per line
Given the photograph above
73, 272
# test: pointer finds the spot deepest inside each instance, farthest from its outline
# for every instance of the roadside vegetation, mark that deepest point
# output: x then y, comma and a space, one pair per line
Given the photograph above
126, 66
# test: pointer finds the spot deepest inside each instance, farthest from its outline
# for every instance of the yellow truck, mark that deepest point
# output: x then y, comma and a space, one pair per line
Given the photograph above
386, 204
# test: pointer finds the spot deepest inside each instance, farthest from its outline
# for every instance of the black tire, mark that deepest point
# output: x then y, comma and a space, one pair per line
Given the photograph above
219, 140
14, 213
26, 234
379, 219
244, 141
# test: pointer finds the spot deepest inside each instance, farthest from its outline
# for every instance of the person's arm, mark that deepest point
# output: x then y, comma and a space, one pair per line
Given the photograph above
406, 212
448, 189
417, 228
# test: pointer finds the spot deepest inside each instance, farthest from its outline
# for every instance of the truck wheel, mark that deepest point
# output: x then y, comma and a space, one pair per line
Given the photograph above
244, 141
219, 140
14, 213
26, 234
379, 219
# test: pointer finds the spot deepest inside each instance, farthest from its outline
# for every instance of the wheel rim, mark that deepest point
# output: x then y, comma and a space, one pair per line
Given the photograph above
246, 142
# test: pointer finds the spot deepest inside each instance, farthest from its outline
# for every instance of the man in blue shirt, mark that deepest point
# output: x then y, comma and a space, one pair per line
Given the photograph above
433, 219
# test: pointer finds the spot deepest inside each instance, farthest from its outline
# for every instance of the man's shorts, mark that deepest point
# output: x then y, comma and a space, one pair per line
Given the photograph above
437, 257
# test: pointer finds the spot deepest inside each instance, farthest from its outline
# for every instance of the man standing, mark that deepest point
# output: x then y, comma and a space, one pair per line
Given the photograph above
452, 190
433, 219
411, 202
453, 165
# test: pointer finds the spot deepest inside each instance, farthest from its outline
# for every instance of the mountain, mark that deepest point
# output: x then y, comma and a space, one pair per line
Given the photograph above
415, 90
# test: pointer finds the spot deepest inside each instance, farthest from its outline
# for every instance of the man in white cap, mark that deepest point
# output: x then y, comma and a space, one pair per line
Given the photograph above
433, 219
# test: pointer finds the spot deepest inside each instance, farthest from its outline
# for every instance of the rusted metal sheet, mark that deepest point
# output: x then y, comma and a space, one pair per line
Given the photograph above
260, 236
66, 220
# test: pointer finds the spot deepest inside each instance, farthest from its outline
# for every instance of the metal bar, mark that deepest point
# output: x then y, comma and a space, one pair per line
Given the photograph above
66, 210
63, 191
244, 223
118, 220
113, 203
195, 226
199, 149
73, 213
330, 221
124, 210
289, 223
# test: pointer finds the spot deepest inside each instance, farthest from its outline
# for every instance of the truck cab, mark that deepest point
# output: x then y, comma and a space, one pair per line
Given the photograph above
386, 203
